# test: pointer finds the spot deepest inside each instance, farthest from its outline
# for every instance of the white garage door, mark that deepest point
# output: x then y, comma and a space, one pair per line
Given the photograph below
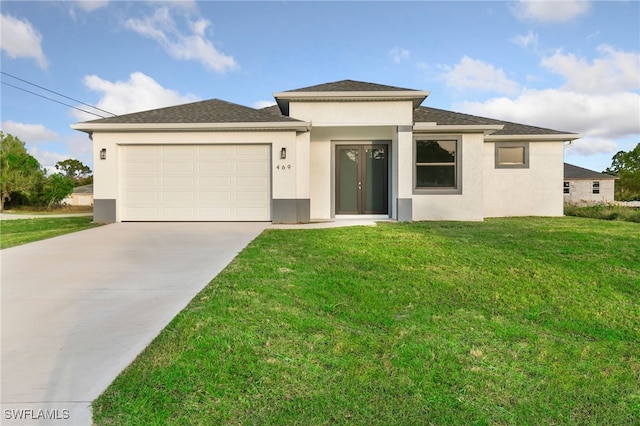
196, 183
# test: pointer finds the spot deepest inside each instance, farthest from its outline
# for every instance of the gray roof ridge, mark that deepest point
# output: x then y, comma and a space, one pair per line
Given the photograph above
349, 85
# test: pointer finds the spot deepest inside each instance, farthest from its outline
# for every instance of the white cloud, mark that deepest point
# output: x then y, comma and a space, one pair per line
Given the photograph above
47, 159
590, 146
179, 44
524, 41
19, 39
550, 11
29, 132
399, 54
91, 5
263, 104
477, 75
613, 71
139, 93
596, 116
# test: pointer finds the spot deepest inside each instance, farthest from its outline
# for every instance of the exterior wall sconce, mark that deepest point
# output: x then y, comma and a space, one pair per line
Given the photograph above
103, 154
283, 153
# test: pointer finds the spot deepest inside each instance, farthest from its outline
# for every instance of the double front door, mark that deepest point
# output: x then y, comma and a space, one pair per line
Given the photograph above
362, 182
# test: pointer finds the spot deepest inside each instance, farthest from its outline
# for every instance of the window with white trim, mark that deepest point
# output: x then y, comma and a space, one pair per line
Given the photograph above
512, 155
595, 187
567, 188
437, 167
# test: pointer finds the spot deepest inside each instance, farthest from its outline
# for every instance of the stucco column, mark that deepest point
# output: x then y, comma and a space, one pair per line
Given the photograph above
291, 203
404, 159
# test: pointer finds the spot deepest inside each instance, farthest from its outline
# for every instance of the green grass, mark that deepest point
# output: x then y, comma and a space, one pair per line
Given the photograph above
21, 231
604, 212
511, 321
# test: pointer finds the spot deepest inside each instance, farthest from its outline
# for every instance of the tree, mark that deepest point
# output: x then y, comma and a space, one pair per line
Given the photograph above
626, 165
20, 172
75, 170
55, 189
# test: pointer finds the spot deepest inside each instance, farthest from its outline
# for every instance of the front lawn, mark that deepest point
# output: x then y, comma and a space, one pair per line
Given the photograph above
511, 321
21, 231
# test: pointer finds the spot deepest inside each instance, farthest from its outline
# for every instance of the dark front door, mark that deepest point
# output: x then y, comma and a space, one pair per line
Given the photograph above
362, 179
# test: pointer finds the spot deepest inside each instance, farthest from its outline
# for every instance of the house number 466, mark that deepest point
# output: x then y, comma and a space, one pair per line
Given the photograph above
283, 167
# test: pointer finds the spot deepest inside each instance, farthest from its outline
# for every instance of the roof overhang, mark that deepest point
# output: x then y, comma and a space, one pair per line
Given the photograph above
557, 137
415, 96
486, 129
88, 127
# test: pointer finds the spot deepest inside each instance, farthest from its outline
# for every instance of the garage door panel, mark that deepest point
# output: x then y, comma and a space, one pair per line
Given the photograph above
172, 151
132, 197
196, 182
214, 197
141, 182
177, 167
214, 182
214, 167
178, 197
184, 183
251, 196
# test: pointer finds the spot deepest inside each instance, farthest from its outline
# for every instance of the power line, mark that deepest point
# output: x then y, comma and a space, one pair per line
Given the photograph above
55, 93
54, 100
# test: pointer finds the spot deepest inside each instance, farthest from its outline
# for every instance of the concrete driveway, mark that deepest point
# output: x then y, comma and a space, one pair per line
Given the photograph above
77, 309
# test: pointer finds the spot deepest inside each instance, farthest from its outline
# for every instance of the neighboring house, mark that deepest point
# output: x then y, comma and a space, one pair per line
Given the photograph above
323, 152
81, 196
584, 186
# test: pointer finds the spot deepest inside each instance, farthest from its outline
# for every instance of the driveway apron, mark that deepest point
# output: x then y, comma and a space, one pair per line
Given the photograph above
77, 309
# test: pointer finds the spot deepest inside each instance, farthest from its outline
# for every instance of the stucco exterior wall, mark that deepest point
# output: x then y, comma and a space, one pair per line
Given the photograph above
532, 191
287, 183
464, 206
581, 191
345, 113
322, 161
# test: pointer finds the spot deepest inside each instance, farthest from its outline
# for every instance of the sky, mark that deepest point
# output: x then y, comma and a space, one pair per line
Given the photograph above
565, 65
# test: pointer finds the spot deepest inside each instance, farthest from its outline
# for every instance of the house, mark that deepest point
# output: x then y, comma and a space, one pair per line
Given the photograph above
584, 186
81, 196
333, 150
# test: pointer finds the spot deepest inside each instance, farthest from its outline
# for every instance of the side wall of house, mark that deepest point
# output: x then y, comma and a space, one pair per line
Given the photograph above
581, 191
532, 191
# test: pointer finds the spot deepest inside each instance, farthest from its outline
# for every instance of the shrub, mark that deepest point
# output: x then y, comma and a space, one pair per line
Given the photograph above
604, 212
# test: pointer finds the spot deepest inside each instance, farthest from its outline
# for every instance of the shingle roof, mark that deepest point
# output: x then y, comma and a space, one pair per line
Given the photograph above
443, 117
211, 111
575, 172
351, 86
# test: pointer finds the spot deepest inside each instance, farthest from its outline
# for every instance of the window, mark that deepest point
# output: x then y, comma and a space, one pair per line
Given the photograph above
567, 188
437, 167
512, 155
596, 187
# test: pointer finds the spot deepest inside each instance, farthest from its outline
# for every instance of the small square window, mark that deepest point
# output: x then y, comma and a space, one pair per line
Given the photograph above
512, 155
567, 188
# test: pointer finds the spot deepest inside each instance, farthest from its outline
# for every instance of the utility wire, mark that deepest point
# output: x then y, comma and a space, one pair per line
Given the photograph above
55, 93
54, 100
